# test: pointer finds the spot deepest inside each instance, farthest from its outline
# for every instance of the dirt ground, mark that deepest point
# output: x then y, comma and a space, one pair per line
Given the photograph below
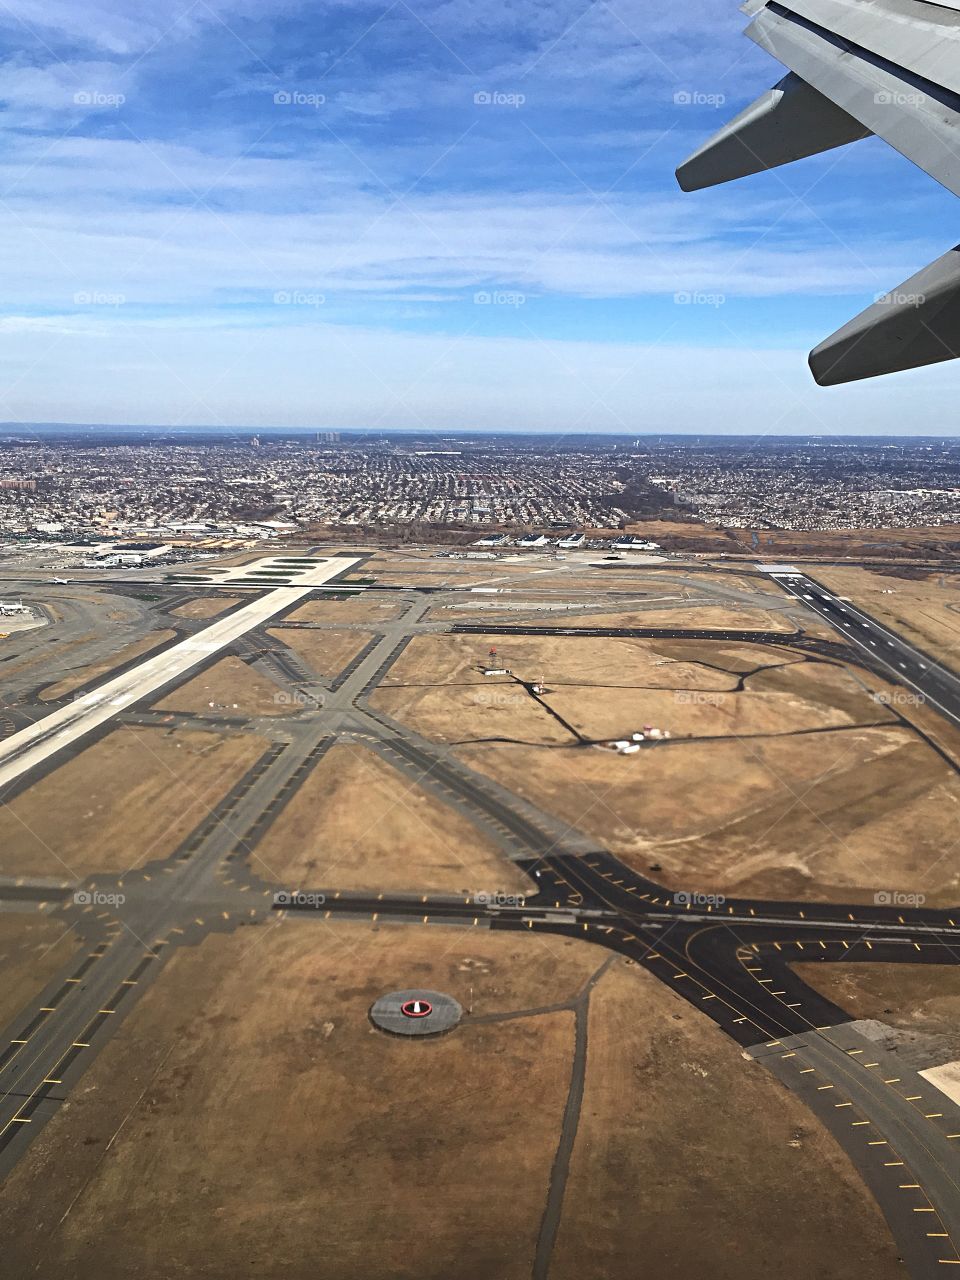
325, 652
356, 823
791, 699
135, 650
700, 1163
270, 1130
129, 798
33, 946
680, 1143
495, 709
726, 655
924, 610
904, 704
923, 1000
448, 660
358, 608
206, 606
229, 685
827, 816
692, 617
835, 546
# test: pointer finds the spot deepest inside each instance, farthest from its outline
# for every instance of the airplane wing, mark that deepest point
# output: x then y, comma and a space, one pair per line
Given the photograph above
856, 68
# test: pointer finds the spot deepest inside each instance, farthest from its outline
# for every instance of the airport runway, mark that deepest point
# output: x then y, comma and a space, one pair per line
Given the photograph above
67, 725
902, 661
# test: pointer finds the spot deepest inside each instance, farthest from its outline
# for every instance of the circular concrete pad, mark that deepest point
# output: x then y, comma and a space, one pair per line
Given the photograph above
415, 1012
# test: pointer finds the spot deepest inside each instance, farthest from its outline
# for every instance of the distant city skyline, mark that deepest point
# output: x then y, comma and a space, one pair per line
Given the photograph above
359, 217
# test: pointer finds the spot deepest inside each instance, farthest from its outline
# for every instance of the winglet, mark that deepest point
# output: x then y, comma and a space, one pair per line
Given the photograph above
914, 325
788, 122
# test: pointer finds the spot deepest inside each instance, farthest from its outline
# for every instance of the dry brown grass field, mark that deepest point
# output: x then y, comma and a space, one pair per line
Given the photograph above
127, 799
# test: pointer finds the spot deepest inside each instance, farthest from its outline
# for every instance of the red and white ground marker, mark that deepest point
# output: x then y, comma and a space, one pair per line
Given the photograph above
416, 1009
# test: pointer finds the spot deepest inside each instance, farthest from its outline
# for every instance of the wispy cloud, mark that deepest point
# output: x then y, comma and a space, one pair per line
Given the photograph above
174, 170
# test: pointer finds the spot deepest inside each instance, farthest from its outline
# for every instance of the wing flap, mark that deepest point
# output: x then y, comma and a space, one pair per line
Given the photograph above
919, 119
923, 39
914, 325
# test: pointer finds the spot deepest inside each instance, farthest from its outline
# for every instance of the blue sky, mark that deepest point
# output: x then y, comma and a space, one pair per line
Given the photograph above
393, 215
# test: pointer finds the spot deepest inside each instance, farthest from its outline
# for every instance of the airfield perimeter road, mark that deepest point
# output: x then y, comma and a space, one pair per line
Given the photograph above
731, 960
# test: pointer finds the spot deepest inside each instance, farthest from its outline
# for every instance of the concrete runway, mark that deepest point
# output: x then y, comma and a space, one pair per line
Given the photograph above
65, 726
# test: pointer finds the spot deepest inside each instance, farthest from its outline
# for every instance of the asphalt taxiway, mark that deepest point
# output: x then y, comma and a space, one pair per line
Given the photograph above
731, 961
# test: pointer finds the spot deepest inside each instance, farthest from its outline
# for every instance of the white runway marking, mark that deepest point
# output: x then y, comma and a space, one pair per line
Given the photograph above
66, 725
